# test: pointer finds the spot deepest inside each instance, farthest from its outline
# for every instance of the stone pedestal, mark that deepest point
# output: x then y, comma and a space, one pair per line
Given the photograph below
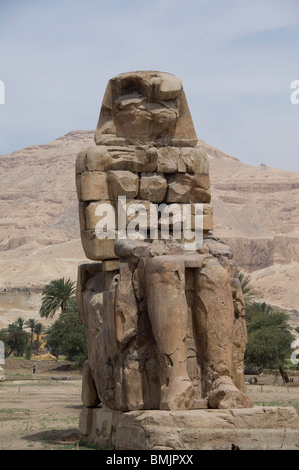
258, 428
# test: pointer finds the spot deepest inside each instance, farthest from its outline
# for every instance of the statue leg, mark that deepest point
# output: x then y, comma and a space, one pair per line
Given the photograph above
167, 309
89, 392
213, 324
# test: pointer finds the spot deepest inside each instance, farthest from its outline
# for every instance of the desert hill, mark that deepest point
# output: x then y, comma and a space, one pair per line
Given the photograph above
256, 210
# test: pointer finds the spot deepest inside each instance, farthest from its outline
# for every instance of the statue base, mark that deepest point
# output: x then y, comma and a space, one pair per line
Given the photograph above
257, 428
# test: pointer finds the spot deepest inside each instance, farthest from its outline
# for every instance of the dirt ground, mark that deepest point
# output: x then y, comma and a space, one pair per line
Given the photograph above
42, 413
39, 412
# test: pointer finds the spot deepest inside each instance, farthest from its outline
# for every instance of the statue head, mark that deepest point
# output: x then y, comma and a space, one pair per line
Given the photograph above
145, 108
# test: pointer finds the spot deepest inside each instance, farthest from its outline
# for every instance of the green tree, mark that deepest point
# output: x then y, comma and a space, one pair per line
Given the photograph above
17, 341
255, 308
57, 296
54, 338
269, 337
67, 337
17, 325
15, 338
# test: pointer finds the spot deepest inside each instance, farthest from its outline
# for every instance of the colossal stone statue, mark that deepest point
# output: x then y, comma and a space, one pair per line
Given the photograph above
163, 312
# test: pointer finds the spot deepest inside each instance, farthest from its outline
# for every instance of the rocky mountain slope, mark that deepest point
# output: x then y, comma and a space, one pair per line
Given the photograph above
256, 210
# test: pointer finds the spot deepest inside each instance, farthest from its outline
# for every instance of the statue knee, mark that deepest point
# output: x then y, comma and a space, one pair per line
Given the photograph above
164, 269
217, 270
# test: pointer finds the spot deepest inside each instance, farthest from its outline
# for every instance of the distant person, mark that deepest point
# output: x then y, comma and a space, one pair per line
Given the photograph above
34, 370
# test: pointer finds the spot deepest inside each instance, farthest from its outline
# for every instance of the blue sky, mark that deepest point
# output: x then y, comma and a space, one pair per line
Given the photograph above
236, 59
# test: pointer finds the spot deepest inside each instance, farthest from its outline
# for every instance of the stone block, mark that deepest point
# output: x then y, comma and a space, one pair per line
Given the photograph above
82, 219
86, 422
92, 186
100, 211
96, 249
117, 157
122, 183
110, 265
142, 158
201, 162
187, 156
168, 159
96, 426
89, 393
258, 428
179, 188
186, 188
152, 187
78, 187
81, 162
97, 158
202, 181
208, 222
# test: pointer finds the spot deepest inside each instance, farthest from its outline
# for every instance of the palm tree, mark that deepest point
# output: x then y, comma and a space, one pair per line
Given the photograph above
38, 330
57, 296
248, 291
20, 323
70, 308
31, 323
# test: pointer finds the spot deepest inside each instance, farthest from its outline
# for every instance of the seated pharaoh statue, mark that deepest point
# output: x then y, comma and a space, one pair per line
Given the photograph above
163, 312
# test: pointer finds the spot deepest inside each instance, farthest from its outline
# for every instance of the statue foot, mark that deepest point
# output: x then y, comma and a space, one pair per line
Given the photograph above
177, 395
224, 394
